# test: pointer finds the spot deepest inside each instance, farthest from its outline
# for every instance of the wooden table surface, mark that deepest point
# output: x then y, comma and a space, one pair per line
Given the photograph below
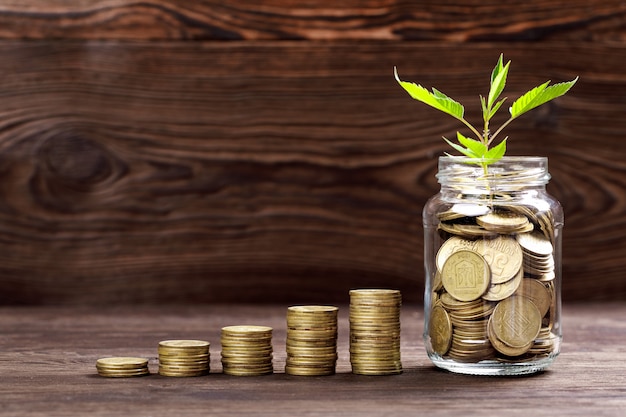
48, 355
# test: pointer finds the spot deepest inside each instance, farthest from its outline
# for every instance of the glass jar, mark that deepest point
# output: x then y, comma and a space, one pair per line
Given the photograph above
492, 256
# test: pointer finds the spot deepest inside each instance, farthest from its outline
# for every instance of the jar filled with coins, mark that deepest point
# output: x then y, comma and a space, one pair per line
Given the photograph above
493, 267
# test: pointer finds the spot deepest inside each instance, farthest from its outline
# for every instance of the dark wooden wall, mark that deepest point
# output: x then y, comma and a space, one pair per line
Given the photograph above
219, 151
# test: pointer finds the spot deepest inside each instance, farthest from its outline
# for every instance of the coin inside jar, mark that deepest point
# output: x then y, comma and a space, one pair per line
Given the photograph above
440, 330
466, 275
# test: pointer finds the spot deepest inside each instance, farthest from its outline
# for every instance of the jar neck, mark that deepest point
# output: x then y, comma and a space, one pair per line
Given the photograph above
511, 175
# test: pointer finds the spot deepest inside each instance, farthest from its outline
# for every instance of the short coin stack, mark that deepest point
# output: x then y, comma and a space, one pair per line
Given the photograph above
311, 340
184, 358
375, 331
122, 367
247, 350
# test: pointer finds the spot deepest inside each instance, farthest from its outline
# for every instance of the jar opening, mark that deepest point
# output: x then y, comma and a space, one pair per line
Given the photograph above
510, 171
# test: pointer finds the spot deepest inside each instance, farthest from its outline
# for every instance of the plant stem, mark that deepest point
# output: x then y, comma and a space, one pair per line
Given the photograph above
505, 124
473, 129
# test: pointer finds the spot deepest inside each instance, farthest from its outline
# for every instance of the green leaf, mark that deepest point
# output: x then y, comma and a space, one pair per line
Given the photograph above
466, 152
498, 81
436, 99
497, 68
496, 108
483, 106
476, 147
539, 95
527, 100
496, 153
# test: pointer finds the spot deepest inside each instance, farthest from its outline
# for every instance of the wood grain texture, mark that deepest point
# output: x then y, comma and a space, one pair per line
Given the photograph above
465, 20
203, 172
48, 355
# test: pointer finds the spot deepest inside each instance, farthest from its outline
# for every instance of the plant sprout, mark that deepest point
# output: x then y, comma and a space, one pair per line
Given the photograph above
480, 149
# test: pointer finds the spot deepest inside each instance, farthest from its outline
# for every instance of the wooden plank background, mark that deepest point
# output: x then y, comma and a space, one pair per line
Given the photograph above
261, 151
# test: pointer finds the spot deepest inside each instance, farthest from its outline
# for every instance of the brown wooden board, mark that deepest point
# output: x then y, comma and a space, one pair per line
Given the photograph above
275, 171
464, 20
48, 356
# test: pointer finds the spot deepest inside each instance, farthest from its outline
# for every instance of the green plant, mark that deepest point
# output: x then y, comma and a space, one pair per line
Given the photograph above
480, 150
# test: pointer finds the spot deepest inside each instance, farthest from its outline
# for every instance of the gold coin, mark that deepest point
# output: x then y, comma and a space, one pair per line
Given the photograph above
317, 343
454, 244
503, 221
311, 350
504, 348
451, 303
516, 321
460, 210
440, 330
504, 256
307, 371
247, 363
246, 330
171, 359
374, 292
497, 292
537, 293
437, 285
184, 344
247, 372
465, 275
184, 368
183, 356
535, 243
122, 362
375, 297
123, 373
312, 310
366, 370
183, 374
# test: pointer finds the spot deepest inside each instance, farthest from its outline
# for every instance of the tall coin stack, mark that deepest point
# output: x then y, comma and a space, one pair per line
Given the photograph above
122, 367
375, 331
247, 350
311, 340
184, 358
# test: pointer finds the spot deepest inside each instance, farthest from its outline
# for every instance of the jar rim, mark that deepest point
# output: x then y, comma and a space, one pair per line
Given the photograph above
509, 159
509, 170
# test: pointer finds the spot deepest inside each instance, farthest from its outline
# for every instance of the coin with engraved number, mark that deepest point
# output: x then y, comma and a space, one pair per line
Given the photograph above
497, 292
504, 256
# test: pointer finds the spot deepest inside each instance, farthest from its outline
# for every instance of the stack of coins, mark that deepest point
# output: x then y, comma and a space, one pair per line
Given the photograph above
182, 358
492, 293
538, 256
469, 319
311, 340
247, 350
375, 331
122, 367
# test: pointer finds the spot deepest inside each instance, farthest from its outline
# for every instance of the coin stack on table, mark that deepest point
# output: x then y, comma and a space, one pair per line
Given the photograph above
375, 331
492, 293
122, 367
311, 340
247, 350
184, 358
